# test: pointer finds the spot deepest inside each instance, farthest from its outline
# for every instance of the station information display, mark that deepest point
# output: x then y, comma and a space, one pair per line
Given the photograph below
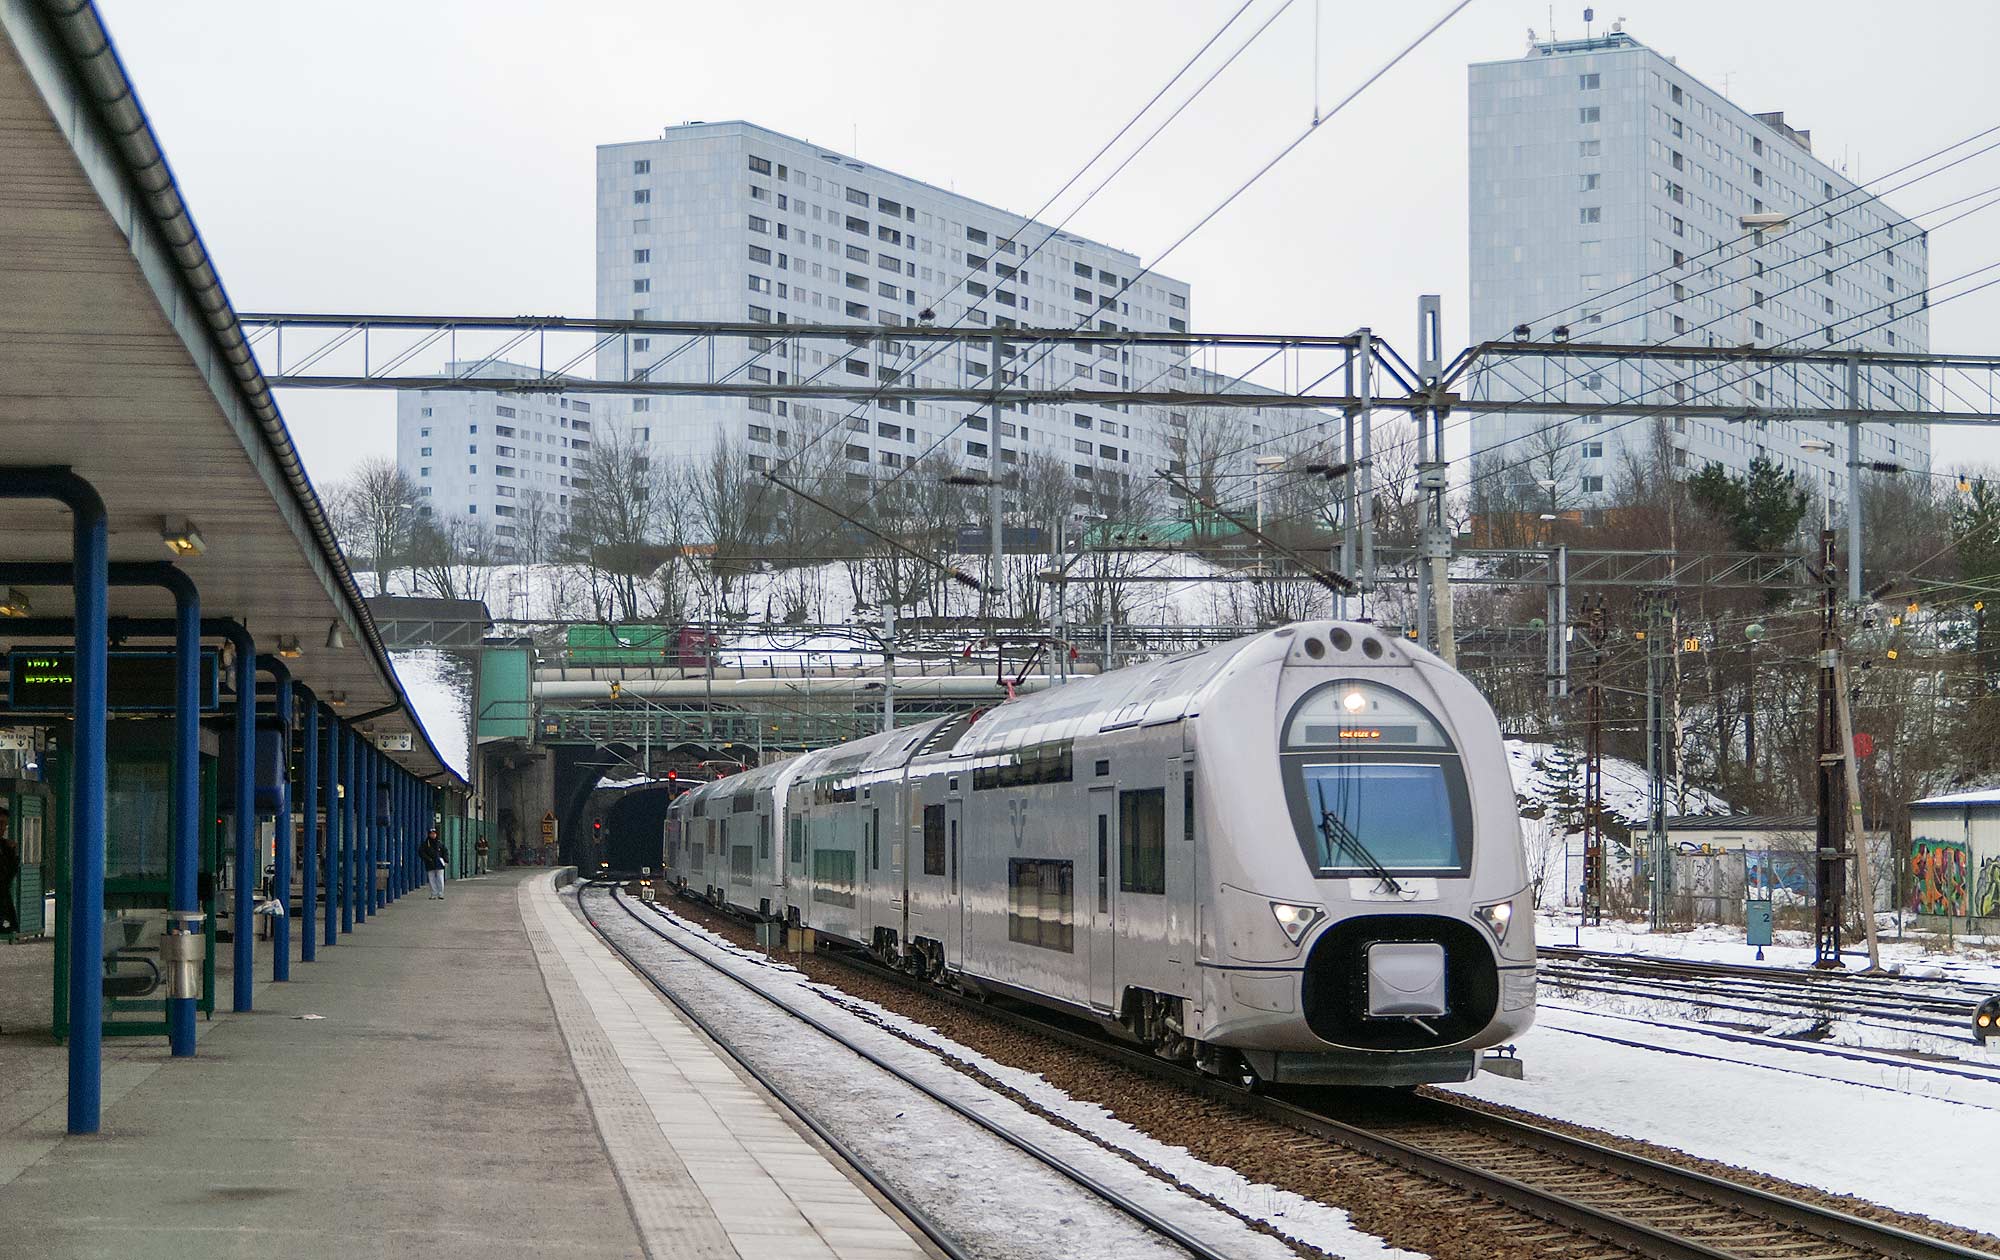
141, 680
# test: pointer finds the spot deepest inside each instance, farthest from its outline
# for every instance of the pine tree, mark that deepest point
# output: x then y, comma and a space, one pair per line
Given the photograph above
1761, 509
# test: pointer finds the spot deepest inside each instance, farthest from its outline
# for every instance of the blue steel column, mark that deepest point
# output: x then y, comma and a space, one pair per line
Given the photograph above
244, 935
184, 865
309, 867
281, 848
336, 835
380, 832
357, 789
397, 827
90, 575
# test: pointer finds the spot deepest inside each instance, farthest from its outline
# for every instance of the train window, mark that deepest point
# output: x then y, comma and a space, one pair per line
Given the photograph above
1398, 815
1187, 805
1142, 841
798, 838
933, 839
1041, 903
1103, 864
833, 876
1052, 762
764, 838
1103, 767
954, 855
874, 839
952, 783
1360, 715
1314, 648
1341, 639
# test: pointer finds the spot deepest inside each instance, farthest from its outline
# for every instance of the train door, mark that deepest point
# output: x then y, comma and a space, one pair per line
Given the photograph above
957, 892
1180, 864
1103, 896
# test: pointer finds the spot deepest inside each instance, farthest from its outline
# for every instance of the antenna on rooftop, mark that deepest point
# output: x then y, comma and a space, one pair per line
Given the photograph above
1589, 15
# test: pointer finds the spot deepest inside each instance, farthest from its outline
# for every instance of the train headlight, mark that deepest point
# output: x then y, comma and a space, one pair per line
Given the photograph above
1497, 917
1294, 920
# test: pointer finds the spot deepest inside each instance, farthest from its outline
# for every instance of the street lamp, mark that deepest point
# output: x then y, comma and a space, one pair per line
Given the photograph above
1265, 463
1821, 446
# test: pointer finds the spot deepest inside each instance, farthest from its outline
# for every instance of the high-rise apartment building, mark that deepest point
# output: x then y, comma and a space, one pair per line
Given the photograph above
506, 462
732, 222
1615, 195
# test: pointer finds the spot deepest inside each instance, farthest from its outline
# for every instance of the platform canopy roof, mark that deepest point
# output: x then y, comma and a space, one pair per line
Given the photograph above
121, 356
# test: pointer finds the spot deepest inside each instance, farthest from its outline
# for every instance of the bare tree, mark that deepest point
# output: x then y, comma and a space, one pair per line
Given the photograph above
615, 504
375, 513
453, 560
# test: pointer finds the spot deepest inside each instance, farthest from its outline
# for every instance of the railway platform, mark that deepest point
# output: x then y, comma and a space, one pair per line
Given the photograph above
477, 1078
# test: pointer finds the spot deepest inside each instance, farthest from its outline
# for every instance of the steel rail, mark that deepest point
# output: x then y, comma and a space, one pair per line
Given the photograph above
1633, 1236
1150, 1220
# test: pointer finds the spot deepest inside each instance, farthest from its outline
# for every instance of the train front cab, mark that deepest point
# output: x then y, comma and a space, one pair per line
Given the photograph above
1408, 946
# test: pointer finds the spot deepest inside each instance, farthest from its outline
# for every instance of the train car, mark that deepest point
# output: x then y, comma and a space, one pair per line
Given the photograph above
1293, 857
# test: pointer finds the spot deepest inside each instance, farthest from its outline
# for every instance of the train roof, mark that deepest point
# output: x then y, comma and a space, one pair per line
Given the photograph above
1138, 695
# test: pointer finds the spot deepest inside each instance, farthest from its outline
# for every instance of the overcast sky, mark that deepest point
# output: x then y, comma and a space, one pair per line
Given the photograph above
390, 156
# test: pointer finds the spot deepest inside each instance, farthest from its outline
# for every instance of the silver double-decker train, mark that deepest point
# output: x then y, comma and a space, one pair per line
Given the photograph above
1293, 856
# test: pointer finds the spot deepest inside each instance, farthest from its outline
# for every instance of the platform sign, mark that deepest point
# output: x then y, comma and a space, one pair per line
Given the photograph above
549, 827
392, 741
140, 680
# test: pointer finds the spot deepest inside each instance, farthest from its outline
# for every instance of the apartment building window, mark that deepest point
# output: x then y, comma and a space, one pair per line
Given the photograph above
975, 261
1757, 145
1082, 445
976, 235
1680, 324
643, 166
1756, 328
1591, 182
1589, 114
472, 469
642, 255
856, 310
1590, 214
425, 471
1081, 269
1829, 305
425, 453
857, 226
1588, 82
760, 315
1679, 258
1675, 160
1593, 450
642, 286
503, 450
1680, 292
759, 284
1678, 98
761, 166
976, 449
759, 254
1593, 485
1680, 228
883, 232
1674, 125
1590, 148
760, 225
760, 433
503, 470
642, 196
884, 289
642, 226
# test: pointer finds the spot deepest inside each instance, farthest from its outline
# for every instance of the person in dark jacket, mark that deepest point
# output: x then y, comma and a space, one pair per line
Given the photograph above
431, 851
10, 866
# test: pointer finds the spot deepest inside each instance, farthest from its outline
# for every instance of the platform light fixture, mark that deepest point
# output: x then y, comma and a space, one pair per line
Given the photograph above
336, 638
16, 604
182, 539
336, 698
288, 647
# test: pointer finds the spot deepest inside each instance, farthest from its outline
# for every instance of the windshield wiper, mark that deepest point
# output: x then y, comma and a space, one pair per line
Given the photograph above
1340, 836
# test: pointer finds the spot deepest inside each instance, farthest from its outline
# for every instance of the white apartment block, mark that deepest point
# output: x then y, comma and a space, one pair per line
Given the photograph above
495, 459
731, 222
1608, 194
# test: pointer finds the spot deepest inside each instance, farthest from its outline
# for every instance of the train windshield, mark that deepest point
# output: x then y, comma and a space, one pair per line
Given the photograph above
1370, 817
1375, 784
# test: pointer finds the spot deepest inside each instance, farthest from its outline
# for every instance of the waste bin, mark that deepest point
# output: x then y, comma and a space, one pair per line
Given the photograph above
381, 877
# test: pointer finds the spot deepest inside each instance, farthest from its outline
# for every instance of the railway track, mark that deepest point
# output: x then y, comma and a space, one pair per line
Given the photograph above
938, 1235
1534, 1186
1939, 1009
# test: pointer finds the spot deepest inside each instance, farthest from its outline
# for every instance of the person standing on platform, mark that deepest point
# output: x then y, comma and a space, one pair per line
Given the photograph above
10, 867
479, 855
432, 854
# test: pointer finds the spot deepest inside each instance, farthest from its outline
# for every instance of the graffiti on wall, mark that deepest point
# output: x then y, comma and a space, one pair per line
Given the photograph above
1940, 873
1986, 890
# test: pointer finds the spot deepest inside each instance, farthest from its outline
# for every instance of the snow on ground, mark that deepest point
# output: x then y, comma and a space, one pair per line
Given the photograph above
441, 695
1782, 1113
1291, 1215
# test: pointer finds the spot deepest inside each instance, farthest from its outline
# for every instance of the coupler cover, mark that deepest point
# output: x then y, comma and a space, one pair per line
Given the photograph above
1405, 978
